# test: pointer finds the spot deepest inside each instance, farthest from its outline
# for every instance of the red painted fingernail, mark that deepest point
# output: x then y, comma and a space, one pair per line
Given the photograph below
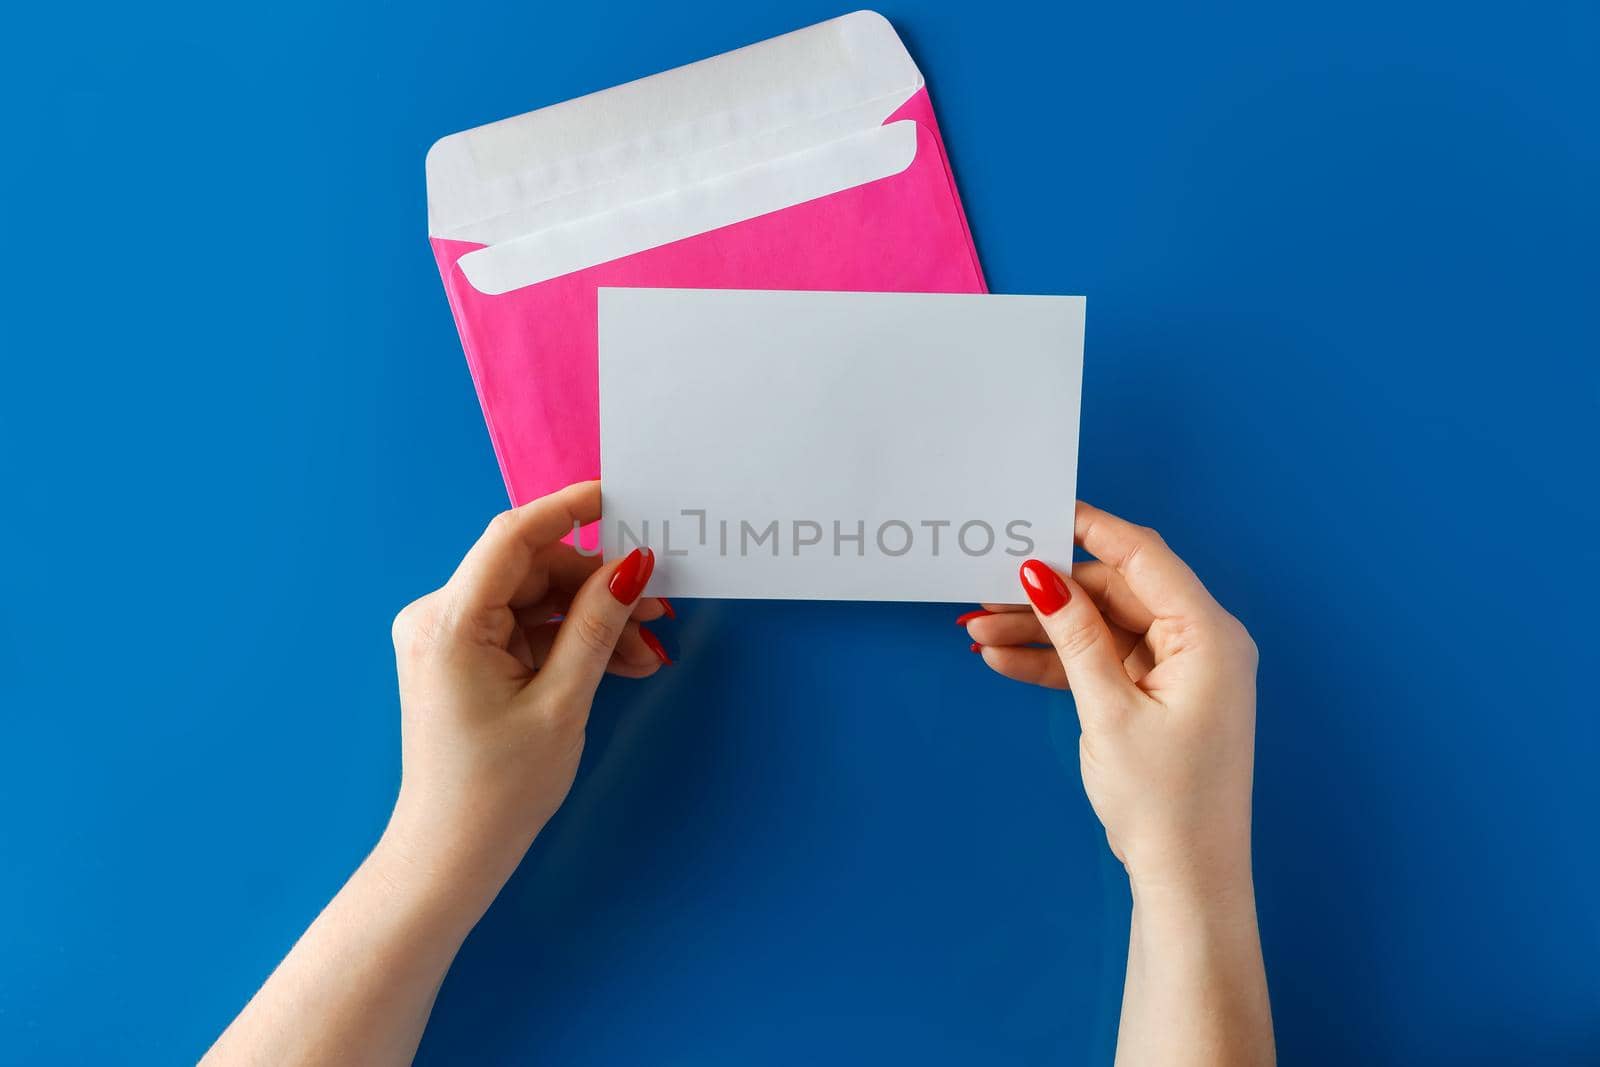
666, 606
1044, 587
654, 644
976, 647
962, 620
632, 574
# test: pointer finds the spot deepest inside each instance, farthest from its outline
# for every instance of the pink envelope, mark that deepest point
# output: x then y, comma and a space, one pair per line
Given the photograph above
809, 161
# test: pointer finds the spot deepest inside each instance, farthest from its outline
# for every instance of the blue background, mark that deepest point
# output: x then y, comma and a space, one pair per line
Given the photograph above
1341, 268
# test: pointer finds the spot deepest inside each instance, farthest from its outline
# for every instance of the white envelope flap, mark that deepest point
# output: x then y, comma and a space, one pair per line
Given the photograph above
732, 126
705, 205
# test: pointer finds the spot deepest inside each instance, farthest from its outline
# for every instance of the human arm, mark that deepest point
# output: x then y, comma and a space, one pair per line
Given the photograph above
1164, 682
497, 671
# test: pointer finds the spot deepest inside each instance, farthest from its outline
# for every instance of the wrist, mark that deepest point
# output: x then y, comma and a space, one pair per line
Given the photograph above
1190, 865
408, 905
1224, 894
430, 872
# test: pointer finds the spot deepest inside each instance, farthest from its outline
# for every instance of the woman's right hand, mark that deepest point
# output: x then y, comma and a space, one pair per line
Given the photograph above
497, 673
1164, 681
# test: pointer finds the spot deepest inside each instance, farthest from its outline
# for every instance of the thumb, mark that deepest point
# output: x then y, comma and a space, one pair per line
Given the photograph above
594, 623
1073, 624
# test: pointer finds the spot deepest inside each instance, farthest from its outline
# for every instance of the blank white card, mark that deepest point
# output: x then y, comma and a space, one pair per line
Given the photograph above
842, 446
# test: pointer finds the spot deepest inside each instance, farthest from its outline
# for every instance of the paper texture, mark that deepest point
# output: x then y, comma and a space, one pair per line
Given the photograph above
850, 446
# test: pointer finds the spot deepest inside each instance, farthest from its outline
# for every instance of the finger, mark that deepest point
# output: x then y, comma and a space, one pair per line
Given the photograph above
569, 569
555, 604
649, 609
1081, 639
1015, 628
1139, 662
1007, 628
529, 620
1035, 666
500, 570
588, 636
522, 650
1154, 573
1112, 596
634, 656
1110, 592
